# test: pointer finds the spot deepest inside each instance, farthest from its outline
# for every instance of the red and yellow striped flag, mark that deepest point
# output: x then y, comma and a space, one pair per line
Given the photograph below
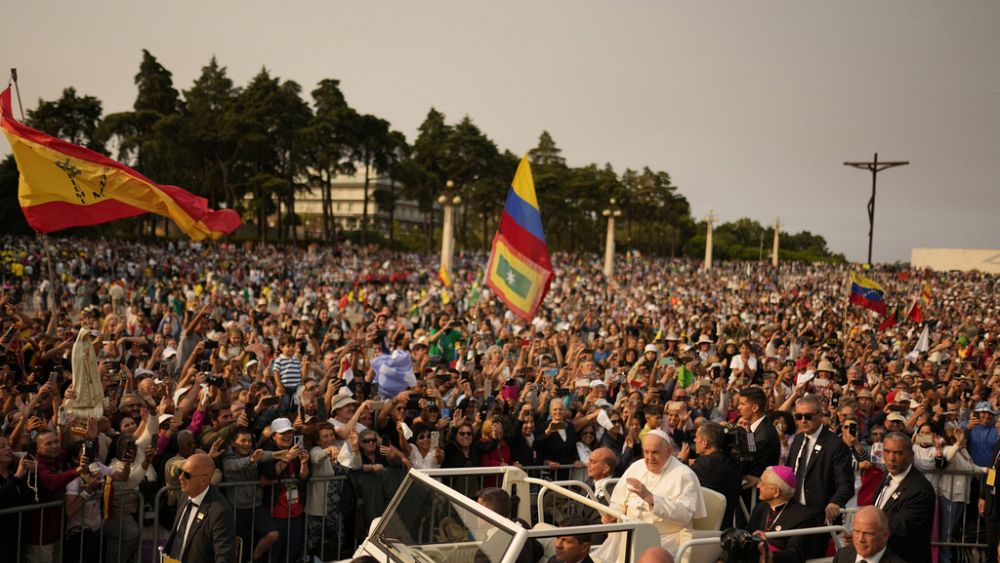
63, 185
925, 293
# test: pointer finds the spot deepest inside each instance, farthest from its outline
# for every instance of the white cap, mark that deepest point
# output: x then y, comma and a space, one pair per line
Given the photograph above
281, 425
165, 417
661, 435
169, 352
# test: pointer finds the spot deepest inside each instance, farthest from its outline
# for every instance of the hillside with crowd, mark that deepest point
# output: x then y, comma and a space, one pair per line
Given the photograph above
316, 377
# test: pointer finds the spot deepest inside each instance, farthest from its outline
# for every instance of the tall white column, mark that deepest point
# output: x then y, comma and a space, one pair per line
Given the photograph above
609, 248
609, 241
774, 252
448, 203
710, 221
447, 241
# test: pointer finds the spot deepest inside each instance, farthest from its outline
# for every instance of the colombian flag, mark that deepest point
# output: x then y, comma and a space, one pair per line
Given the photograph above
519, 270
867, 293
63, 185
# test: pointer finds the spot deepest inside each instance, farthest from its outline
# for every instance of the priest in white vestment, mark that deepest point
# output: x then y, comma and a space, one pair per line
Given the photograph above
657, 489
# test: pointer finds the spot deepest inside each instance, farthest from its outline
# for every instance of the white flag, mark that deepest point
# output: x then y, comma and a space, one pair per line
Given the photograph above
923, 344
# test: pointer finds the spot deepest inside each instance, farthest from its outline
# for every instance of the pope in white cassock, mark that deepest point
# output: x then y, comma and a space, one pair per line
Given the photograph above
660, 490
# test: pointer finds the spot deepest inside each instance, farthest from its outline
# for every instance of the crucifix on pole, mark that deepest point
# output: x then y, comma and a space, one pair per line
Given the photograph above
875, 167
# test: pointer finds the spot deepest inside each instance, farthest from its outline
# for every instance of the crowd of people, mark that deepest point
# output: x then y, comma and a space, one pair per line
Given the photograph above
325, 374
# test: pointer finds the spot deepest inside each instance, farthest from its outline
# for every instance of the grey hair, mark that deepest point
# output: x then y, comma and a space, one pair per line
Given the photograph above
772, 478
899, 437
712, 432
810, 399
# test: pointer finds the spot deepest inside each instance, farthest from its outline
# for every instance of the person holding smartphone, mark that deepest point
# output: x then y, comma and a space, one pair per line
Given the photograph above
556, 440
443, 338
291, 461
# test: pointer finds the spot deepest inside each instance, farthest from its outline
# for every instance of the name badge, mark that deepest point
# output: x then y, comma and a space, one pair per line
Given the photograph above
991, 477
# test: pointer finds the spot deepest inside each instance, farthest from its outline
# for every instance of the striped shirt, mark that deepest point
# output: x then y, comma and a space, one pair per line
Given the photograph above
289, 371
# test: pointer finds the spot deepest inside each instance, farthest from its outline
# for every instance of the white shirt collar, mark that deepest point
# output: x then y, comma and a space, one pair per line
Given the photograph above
873, 559
200, 498
899, 478
755, 424
815, 435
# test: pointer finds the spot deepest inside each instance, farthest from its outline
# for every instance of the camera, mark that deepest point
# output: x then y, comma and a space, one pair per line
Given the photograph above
738, 445
740, 546
216, 380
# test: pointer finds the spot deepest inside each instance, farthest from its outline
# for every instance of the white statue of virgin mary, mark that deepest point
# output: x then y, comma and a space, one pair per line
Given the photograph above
87, 384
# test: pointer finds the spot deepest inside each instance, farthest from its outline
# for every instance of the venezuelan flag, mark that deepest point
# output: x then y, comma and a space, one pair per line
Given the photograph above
867, 293
63, 185
519, 269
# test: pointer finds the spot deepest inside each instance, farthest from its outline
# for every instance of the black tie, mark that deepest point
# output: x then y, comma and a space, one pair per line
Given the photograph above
881, 492
803, 460
182, 530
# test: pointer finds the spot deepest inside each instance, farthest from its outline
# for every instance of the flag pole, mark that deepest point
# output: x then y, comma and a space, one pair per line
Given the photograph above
17, 91
41, 236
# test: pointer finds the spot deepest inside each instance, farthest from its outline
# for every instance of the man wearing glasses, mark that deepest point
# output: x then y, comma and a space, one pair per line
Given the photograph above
203, 531
821, 460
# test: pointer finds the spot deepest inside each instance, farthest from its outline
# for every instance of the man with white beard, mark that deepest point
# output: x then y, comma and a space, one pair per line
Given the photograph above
658, 489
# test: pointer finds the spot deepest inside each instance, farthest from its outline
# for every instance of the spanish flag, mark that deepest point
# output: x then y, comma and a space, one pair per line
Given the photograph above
867, 293
925, 293
444, 276
519, 270
64, 185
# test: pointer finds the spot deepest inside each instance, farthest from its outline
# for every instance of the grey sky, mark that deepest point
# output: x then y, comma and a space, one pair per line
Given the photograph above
751, 106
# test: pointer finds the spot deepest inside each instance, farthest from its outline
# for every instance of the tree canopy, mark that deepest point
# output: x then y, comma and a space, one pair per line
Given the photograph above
255, 148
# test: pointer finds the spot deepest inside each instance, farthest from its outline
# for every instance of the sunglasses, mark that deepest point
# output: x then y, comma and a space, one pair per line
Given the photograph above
616, 421
804, 415
187, 475
465, 433
369, 441
587, 434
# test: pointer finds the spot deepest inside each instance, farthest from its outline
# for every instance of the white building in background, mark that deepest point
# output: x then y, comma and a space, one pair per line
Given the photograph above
963, 259
348, 206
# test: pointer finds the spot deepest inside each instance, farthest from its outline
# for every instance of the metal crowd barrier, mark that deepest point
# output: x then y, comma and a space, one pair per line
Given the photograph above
834, 531
56, 548
117, 534
970, 537
349, 544
351, 538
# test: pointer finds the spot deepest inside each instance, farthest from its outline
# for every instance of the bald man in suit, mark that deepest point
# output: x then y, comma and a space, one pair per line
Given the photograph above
203, 530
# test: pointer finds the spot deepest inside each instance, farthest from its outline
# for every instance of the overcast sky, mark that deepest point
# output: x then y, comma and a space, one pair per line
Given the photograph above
752, 107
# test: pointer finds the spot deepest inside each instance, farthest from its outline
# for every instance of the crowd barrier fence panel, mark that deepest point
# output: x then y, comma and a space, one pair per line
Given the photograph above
23, 543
